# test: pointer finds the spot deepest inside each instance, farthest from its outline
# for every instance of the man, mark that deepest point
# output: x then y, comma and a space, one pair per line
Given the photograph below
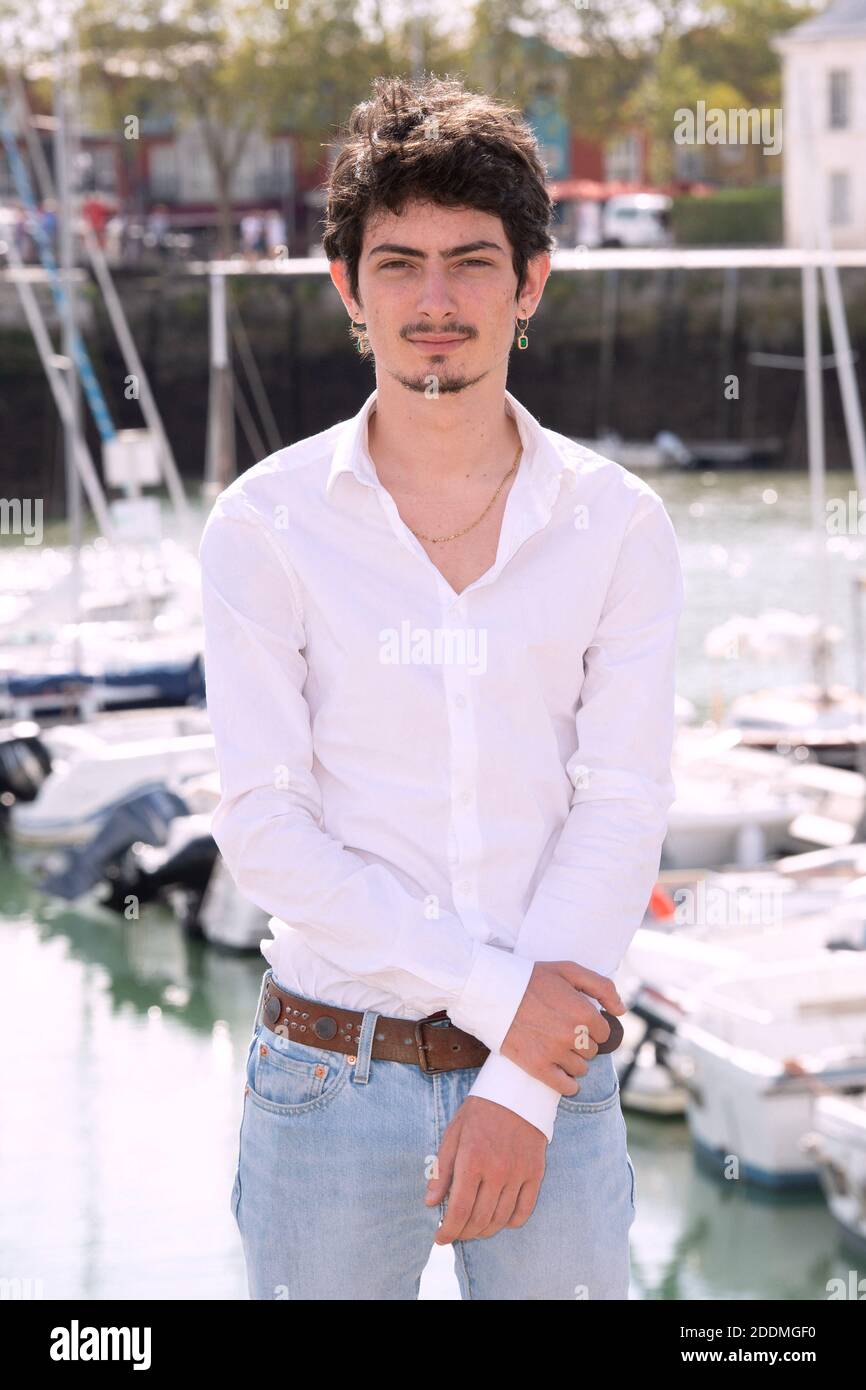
440, 648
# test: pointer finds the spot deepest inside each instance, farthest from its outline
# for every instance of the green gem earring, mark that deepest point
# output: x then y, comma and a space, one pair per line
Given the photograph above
522, 341
361, 343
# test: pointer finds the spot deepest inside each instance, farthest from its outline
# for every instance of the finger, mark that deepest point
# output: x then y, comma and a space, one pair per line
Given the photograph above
585, 1047
572, 1063
503, 1212
483, 1210
461, 1200
596, 986
525, 1205
563, 1081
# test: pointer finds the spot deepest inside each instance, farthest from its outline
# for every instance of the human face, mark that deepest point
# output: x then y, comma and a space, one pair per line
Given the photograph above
437, 291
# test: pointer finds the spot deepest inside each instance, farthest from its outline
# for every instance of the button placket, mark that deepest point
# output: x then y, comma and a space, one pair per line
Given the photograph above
464, 830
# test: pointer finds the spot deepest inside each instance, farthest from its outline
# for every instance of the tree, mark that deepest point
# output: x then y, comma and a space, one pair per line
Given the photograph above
201, 60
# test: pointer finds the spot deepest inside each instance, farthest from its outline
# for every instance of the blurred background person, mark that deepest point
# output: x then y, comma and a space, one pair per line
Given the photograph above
275, 232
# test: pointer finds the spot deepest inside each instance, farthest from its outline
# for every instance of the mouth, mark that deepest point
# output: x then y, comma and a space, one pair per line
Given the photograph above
443, 342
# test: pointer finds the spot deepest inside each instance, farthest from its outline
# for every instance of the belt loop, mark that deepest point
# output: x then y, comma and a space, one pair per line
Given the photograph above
361, 1069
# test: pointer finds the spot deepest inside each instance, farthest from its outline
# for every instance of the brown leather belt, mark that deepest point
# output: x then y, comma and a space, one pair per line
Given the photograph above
433, 1043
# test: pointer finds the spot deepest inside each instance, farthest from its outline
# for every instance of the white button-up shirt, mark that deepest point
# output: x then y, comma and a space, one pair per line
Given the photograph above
430, 791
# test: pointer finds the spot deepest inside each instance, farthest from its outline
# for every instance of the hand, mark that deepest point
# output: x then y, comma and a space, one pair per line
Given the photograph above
492, 1160
556, 1028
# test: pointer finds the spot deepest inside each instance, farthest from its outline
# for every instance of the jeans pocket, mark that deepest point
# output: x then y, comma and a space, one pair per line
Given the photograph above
599, 1088
286, 1076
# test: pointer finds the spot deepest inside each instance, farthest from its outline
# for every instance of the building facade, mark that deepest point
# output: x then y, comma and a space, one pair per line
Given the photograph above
824, 104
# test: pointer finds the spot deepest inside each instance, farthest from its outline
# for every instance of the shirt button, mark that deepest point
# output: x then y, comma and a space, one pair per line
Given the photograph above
465, 797
464, 886
460, 701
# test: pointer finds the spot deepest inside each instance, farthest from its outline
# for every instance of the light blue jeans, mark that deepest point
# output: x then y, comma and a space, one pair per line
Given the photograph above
332, 1170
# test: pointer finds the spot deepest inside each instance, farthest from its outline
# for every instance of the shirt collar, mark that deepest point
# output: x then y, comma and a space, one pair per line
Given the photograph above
542, 462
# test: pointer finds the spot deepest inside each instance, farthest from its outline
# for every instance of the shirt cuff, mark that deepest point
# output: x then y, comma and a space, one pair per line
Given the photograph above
492, 994
504, 1081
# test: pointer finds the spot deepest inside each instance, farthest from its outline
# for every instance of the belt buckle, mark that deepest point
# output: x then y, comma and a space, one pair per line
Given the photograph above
423, 1047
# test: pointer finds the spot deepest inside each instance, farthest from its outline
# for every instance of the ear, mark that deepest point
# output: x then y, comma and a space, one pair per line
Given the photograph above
537, 271
339, 273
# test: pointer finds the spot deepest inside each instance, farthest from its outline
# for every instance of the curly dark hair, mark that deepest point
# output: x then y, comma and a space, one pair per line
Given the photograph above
430, 139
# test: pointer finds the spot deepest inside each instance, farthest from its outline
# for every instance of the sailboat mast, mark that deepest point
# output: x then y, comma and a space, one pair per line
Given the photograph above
66, 263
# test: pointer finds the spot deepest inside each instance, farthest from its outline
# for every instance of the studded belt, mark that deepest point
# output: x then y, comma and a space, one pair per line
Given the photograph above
433, 1043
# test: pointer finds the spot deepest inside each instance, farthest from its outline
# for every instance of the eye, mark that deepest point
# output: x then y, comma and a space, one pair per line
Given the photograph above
388, 265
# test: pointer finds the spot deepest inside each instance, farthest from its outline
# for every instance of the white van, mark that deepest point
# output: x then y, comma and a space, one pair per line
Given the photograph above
629, 219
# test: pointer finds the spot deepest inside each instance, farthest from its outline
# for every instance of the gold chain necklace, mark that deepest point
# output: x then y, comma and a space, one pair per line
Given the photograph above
437, 539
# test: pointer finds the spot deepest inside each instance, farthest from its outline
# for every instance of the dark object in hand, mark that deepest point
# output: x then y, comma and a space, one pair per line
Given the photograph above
616, 1030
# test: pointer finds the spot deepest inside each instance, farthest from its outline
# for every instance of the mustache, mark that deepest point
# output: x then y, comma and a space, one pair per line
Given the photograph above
425, 332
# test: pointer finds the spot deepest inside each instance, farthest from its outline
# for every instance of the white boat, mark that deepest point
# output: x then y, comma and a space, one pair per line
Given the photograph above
98, 763
836, 1144
96, 666
124, 639
666, 450
723, 920
826, 719
727, 821
829, 721
202, 793
740, 806
228, 919
759, 1045
661, 975
725, 905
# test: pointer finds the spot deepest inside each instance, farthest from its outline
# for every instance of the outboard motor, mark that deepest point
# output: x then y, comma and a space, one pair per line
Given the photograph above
184, 863
144, 815
24, 763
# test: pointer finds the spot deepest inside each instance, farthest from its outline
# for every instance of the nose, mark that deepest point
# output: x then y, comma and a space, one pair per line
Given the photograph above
435, 301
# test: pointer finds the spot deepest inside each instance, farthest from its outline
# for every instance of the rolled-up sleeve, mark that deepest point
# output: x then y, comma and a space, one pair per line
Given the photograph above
594, 891
269, 825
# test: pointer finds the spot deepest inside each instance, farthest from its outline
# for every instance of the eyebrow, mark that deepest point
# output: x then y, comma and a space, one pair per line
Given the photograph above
394, 248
